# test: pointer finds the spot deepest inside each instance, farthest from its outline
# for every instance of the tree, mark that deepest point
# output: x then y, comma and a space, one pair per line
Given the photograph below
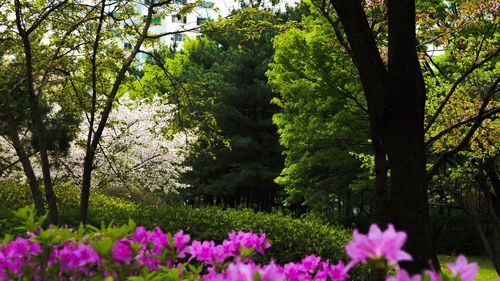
73, 56
381, 40
133, 152
223, 76
11, 102
322, 120
462, 118
24, 37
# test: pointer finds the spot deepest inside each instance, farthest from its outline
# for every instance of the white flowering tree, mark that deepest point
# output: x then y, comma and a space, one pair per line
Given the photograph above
134, 151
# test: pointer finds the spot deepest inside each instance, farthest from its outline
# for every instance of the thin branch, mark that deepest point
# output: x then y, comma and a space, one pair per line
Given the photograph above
44, 16
95, 48
477, 123
453, 88
335, 24
488, 114
159, 35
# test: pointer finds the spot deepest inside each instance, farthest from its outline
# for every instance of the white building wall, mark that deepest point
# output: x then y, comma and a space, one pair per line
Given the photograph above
207, 10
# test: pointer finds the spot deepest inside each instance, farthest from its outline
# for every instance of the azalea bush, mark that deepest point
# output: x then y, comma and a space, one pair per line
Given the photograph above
132, 252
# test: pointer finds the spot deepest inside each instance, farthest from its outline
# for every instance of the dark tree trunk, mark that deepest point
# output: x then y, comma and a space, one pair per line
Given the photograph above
86, 183
404, 108
28, 169
494, 207
381, 204
37, 118
93, 141
396, 100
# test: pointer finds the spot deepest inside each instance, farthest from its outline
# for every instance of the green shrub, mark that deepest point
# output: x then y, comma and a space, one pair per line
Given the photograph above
457, 234
291, 238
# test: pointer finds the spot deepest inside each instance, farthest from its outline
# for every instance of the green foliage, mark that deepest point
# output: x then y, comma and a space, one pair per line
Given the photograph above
322, 118
457, 234
291, 238
224, 87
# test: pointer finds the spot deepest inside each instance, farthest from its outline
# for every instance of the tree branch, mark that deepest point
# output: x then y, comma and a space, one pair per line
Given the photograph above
453, 88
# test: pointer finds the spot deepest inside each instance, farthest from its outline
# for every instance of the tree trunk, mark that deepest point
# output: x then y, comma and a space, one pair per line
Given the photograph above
37, 118
86, 183
381, 205
404, 133
396, 100
28, 169
93, 141
494, 202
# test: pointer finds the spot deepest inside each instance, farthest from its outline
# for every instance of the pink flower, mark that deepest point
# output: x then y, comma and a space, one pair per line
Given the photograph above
141, 235
181, 240
86, 255
292, 271
201, 251
466, 271
159, 240
378, 244
433, 275
272, 272
122, 251
338, 272
248, 240
310, 263
404, 276
240, 272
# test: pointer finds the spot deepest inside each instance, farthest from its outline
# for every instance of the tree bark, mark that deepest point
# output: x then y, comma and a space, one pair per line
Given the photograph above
494, 207
404, 132
37, 118
396, 100
93, 141
27, 168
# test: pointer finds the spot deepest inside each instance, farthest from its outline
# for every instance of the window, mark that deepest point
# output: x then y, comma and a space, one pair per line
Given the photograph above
156, 20
179, 19
206, 4
200, 21
178, 37
127, 45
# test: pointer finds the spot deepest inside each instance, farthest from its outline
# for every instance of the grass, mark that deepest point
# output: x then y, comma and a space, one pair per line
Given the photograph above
486, 270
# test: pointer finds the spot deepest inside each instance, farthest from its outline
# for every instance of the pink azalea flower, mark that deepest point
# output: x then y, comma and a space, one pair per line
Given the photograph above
181, 240
338, 272
434, 276
310, 263
466, 271
159, 240
86, 255
122, 251
378, 244
240, 272
141, 235
292, 271
201, 251
272, 272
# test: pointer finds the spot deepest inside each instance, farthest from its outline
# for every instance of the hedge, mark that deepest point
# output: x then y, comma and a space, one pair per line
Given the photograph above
291, 238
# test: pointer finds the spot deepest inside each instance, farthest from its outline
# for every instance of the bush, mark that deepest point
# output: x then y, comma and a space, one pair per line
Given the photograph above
134, 253
457, 234
291, 239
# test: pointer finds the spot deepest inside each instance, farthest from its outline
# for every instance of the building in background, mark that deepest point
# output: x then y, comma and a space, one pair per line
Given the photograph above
206, 10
